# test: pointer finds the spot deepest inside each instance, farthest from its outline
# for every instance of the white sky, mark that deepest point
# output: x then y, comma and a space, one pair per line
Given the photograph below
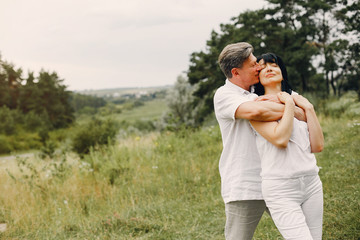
97, 44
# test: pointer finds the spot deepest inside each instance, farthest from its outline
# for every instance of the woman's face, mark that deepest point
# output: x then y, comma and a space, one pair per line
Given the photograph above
270, 73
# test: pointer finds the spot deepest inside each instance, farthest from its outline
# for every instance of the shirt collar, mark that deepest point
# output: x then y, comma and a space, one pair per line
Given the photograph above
234, 86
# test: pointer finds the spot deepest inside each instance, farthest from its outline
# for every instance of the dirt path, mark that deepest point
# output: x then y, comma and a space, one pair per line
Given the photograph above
12, 157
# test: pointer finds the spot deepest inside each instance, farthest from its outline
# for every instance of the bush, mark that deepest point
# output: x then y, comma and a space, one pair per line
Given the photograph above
88, 110
96, 132
5, 146
34, 121
20, 142
7, 123
348, 103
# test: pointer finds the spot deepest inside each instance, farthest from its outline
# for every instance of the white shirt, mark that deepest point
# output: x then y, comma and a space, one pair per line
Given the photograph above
294, 161
239, 164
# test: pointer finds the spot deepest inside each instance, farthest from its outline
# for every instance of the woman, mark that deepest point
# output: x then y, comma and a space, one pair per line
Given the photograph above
291, 186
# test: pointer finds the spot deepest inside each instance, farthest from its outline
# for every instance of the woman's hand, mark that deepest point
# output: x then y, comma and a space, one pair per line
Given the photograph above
302, 102
284, 97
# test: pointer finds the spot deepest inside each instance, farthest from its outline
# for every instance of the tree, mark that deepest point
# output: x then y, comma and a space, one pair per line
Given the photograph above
181, 111
10, 82
302, 32
55, 99
79, 101
349, 15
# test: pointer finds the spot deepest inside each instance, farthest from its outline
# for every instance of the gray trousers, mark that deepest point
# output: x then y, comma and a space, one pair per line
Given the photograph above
242, 218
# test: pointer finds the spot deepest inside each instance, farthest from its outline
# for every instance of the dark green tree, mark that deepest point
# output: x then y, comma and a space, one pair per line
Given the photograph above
302, 32
55, 99
10, 83
79, 101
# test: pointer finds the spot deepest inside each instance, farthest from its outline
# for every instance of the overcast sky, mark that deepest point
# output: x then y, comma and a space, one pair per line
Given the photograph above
111, 43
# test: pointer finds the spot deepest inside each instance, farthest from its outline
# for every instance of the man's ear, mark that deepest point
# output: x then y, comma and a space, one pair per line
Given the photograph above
235, 72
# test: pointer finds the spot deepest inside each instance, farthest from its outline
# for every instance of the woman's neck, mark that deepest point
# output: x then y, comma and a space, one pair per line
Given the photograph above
273, 89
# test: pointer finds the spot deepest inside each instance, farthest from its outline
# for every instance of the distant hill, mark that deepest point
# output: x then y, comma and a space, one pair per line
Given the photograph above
118, 92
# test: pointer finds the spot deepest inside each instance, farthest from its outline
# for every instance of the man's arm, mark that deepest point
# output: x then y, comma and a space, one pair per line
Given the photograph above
299, 112
260, 111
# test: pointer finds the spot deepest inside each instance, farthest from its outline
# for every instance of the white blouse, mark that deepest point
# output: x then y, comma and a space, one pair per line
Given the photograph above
295, 160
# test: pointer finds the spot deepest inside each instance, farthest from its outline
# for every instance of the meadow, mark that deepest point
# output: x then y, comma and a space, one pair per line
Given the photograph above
161, 185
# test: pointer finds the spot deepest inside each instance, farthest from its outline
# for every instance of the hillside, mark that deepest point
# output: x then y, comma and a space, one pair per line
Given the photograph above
116, 92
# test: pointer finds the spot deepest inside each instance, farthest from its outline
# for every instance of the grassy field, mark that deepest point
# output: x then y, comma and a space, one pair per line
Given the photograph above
159, 186
151, 110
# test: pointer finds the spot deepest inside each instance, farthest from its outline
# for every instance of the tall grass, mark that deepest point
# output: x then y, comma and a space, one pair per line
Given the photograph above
160, 186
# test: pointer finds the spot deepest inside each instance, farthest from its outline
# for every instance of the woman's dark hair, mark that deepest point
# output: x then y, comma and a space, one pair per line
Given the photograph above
272, 58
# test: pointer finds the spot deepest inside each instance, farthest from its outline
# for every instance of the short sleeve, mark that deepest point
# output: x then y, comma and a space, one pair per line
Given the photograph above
226, 103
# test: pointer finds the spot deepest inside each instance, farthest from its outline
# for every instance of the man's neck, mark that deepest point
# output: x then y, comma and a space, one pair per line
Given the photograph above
240, 84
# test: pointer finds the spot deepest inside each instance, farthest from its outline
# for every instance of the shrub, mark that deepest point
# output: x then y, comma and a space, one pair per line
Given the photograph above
34, 121
336, 108
96, 132
5, 146
7, 123
88, 110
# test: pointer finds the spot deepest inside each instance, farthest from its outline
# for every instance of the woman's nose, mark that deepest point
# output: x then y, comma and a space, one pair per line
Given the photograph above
268, 68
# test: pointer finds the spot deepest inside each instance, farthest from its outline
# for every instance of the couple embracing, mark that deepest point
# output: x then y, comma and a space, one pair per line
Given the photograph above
269, 135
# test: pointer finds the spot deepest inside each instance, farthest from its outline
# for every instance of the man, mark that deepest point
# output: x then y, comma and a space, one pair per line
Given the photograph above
240, 162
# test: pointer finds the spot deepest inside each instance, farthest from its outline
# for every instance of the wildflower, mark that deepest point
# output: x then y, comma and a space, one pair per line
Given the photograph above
65, 202
154, 167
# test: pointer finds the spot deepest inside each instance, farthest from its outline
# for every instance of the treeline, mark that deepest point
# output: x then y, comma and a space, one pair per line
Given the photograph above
39, 101
318, 40
43, 97
81, 101
38, 112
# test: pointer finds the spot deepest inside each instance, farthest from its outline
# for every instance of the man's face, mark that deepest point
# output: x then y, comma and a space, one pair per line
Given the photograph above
251, 70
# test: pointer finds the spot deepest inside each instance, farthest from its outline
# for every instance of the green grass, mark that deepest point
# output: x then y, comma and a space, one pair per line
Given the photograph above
340, 162
161, 186
151, 110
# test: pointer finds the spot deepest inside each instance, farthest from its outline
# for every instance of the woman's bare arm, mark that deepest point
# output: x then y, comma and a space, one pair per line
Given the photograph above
278, 133
315, 131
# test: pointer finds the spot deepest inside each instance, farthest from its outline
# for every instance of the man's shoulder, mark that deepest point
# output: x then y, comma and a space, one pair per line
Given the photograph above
226, 89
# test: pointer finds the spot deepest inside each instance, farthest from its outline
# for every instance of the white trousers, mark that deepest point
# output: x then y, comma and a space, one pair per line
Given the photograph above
296, 206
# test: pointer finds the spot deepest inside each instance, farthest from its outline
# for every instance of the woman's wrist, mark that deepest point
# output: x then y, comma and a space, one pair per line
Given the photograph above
290, 101
309, 108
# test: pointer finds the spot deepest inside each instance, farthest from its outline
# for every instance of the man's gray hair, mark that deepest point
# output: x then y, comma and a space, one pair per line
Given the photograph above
233, 56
